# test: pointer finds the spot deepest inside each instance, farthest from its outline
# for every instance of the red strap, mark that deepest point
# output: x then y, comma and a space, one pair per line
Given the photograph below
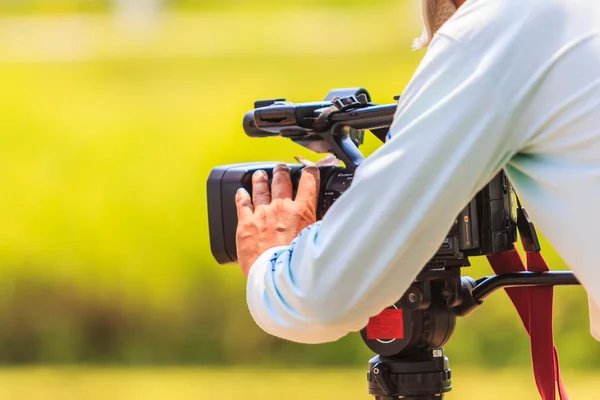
534, 305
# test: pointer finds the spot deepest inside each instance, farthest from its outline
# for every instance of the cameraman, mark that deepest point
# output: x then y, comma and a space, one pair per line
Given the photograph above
505, 84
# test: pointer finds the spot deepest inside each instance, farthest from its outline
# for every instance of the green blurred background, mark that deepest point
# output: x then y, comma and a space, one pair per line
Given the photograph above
112, 116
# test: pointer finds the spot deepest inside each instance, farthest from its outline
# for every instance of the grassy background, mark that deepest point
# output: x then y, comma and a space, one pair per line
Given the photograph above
108, 135
261, 384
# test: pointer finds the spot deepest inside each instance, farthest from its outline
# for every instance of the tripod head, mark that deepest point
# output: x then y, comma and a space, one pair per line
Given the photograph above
408, 337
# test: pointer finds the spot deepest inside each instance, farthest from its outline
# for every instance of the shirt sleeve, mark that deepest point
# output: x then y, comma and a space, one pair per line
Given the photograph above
449, 138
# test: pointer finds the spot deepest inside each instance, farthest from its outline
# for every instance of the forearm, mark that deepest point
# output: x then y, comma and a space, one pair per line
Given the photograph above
282, 308
360, 259
448, 140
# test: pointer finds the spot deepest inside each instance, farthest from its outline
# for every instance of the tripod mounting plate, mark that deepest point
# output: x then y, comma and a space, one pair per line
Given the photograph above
422, 376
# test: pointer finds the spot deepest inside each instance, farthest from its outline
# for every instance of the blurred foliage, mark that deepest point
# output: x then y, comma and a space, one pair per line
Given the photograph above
108, 137
53, 6
93, 6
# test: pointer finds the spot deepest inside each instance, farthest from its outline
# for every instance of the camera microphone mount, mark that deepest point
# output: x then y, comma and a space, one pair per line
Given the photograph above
334, 126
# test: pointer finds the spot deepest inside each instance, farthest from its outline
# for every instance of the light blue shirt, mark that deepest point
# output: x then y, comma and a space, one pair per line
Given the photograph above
511, 85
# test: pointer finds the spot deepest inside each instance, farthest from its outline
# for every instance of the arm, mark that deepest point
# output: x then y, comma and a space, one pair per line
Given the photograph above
449, 138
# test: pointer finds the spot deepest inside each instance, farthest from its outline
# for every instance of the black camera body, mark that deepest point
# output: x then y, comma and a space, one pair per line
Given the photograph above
487, 225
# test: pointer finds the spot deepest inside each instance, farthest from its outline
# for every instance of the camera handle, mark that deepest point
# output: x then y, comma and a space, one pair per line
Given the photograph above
342, 141
411, 364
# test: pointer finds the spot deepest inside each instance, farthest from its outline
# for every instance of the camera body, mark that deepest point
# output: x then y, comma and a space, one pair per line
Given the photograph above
487, 225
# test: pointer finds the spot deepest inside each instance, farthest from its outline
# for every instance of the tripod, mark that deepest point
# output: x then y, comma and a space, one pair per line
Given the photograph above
408, 337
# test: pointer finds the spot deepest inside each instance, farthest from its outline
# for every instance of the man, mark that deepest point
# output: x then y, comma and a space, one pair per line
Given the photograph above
505, 84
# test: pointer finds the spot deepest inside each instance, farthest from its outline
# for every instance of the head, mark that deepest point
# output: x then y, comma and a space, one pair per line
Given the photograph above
435, 14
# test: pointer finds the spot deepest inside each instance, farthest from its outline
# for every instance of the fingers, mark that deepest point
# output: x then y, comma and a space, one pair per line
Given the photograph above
243, 203
281, 187
261, 194
308, 188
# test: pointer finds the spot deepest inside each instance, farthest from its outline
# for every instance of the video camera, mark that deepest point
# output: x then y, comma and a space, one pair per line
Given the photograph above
408, 336
487, 225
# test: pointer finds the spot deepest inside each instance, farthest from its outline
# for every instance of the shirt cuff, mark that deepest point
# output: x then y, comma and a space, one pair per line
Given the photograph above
255, 286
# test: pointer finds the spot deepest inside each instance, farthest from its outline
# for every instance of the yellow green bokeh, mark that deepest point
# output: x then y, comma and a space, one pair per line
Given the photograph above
110, 127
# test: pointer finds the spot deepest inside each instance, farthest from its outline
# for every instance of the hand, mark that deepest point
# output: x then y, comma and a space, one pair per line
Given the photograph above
271, 218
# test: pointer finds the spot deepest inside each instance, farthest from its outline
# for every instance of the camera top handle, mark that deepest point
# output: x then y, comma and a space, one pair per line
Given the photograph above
335, 125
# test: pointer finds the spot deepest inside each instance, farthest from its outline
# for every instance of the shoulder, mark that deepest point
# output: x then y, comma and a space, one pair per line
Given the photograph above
485, 21
507, 41
496, 25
